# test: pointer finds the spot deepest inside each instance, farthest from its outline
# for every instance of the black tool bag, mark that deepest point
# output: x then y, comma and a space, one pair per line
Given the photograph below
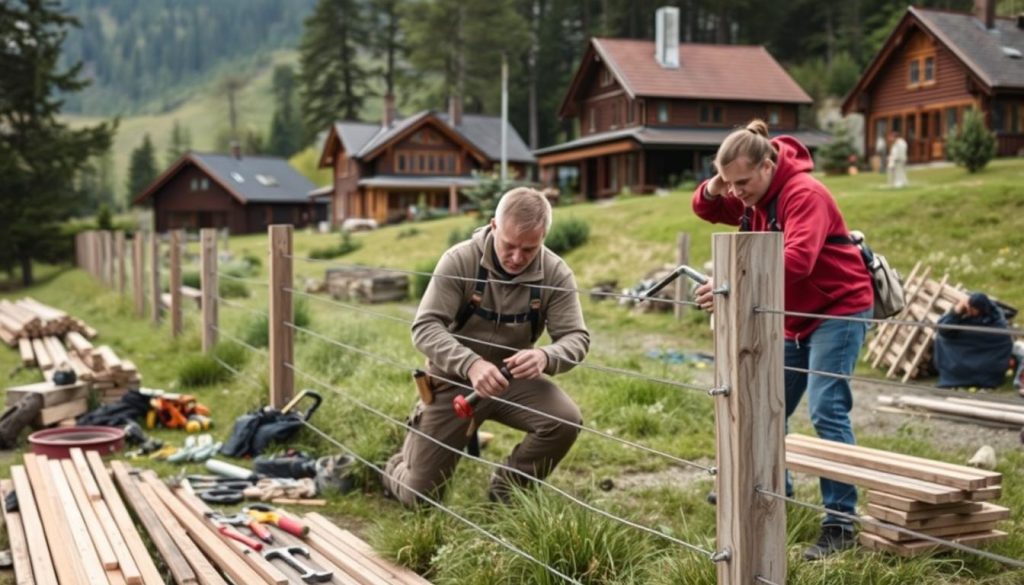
255, 431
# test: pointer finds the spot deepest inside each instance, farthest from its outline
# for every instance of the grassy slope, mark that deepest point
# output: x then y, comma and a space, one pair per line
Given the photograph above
970, 225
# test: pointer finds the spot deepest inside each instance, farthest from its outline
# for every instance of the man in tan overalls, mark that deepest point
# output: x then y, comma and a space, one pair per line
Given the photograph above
490, 300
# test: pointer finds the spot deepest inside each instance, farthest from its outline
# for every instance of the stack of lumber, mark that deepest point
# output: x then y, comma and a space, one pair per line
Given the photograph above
61, 404
983, 412
195, 551
188, 293
367, 285
905, 350
28, 318
111, 376
931, 497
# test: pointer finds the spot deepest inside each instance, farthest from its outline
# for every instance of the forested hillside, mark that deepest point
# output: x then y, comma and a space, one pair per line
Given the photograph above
149, 55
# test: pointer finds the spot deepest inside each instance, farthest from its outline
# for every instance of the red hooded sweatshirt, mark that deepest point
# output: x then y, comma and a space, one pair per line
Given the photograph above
821, 278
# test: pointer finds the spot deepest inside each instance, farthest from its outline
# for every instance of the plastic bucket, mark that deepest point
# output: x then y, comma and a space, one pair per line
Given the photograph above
57, 443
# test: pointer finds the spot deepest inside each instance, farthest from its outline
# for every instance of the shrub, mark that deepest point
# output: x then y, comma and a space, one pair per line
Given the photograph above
971, 145
256, 329
201, 370
408, 233
104, 218
232, 289
419, 282
566, 235
460, 235
836, 156
346, 246
252, 260
191, 278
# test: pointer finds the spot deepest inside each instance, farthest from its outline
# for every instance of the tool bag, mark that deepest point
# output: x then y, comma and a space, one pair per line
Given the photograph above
255, 431
885, 280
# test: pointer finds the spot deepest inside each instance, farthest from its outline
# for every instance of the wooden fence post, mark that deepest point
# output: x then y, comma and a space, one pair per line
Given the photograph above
155, 245
121, 263
282, 378
97, 255
209, 285
138, 270
108, 258
175, 283
749, 407
682, 284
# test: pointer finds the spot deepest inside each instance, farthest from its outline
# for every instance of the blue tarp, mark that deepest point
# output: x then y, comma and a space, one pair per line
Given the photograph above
969, 358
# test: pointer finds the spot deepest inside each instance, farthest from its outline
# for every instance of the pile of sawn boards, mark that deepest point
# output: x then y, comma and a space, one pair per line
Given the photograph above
72, 527
943, 500
28, 318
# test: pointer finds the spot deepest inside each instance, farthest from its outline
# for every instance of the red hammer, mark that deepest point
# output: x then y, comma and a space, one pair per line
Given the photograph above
463, 405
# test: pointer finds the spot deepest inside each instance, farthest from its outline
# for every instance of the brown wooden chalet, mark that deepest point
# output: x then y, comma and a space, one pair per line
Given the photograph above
381, 170
243, 194
936, 65
653, 113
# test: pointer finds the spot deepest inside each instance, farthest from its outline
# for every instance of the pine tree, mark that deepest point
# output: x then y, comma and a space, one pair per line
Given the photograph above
142, 168
40, 156
971, 145
286, 127
333, 81
181, 142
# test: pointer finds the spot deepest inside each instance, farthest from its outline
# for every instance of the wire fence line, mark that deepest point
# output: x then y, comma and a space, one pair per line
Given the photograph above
501, 466
237, 305
239, 341
582, 364
1010, 331
395, 363
863, 379
250, 281
579, 291
873, 522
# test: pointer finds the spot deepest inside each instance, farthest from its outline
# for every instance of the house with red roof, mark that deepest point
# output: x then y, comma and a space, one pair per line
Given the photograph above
651, 114
935, 66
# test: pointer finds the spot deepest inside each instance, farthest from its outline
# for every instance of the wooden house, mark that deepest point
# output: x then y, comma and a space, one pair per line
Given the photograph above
650, 114
383, 170
934, 66
243, 194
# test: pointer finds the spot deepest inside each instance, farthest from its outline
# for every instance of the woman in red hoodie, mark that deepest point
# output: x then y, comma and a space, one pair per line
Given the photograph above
760, 180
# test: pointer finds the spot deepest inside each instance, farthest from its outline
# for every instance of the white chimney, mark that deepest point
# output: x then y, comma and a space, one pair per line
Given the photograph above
666, 39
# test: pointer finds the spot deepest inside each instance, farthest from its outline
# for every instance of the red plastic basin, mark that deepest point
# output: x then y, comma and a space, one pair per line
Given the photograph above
56, 443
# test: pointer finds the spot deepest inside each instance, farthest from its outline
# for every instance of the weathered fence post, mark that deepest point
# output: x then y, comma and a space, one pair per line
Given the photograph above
121, 263
108, 258
175, 283
682, 284
282, 378
749, 407
209, 285
155, 245
138, 272
97, 255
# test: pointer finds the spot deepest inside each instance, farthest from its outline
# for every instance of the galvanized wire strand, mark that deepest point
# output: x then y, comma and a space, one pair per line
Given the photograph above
235, 371
1012, 332
239, 341
237, 305
501, 541
399, 365
863, 379
259, 283
501, 466
595, 367
630, 296
873, 522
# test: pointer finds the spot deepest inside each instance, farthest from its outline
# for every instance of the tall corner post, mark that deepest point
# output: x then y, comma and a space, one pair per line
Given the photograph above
209, 285
177, 237
282, 378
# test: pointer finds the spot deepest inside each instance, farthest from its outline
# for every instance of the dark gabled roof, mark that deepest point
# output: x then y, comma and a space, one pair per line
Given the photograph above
662, 137
979, 49
249, 179
483, 133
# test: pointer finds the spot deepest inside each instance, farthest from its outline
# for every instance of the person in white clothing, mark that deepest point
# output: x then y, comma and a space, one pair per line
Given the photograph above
897, 162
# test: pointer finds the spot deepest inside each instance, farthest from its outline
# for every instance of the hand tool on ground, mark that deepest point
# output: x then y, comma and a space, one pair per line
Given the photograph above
259, 530
171, 411
269, 515
698, 277
306, 573
463, 405
230, 532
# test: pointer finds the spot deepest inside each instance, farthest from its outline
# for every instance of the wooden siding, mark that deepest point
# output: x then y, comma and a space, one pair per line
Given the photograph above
178, 205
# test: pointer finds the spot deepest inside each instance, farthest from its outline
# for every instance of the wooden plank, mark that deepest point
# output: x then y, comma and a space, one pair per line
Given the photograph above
323, 526
986, 494
78, 343
988, 512
920, 547
81, 466
42, 356
109, 358
68, 566
76, 525
58, 354
927, 414
991, 404
129, 569
150, 574
915, 467
904, 503
315, 560
48, 416
100, 542
52, 394
959, 409
360, 568
28, 356
203, 533
35, 539
172, 555
20, 559
877, 480
901, 517
896, 535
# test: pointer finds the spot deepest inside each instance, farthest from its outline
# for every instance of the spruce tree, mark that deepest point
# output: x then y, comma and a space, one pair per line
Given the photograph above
971, 145
286, 127
181, 142
40, 157
142, 168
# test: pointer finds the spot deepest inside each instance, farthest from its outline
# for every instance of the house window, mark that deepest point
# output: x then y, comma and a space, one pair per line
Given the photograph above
451, 163
773, 116
401, 163
911, 127
630, 114
204, 184
921, 71
710, 114
929, 69
950, 120
606, 77
193, 185
593, 118
915, 72
615, 114
897, 124
998, 117
662, 112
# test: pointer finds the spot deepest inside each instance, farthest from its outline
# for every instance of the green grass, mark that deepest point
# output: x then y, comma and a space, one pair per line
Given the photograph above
969, 225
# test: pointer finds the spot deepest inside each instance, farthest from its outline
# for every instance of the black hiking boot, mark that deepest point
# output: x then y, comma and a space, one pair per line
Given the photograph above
833, 539
17, 416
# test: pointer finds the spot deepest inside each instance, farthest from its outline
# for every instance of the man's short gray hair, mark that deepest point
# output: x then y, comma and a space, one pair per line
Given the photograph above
525, 208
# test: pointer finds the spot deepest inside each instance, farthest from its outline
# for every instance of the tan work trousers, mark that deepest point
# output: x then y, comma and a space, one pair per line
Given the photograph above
425, 466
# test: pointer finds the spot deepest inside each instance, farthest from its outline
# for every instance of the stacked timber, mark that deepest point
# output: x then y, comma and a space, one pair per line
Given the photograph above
61, 403
934, 498
983, 412
188, 293
905, 351
367, 285
111, 376
28, 318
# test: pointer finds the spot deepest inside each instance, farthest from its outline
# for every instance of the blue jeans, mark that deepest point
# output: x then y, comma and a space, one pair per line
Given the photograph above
832, 347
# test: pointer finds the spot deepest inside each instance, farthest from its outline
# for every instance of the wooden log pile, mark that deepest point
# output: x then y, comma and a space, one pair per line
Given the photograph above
939, 499
111, 376
28, 318
905, 351
366, 285
984, 412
